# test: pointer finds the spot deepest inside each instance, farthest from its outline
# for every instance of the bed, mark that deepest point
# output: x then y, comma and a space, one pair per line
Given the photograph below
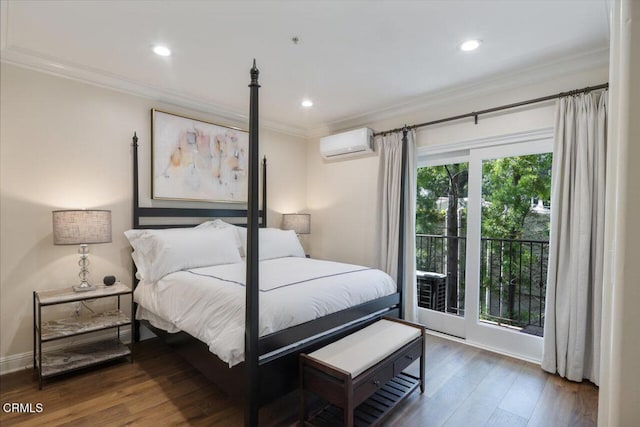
250, 316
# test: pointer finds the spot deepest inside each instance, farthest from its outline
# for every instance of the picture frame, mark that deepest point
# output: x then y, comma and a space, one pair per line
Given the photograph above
196, 160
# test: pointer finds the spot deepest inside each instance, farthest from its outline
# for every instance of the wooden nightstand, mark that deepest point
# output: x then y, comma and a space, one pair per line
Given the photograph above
66, 358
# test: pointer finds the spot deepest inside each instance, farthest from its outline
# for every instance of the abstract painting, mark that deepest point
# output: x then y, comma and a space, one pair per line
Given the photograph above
196, 160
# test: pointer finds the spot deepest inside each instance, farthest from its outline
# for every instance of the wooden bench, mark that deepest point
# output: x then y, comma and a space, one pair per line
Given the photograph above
360, 376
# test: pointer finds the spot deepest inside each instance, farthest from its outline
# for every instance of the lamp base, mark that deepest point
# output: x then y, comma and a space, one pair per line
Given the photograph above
84, 288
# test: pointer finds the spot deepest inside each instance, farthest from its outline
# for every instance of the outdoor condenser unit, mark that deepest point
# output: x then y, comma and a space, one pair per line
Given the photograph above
432, 290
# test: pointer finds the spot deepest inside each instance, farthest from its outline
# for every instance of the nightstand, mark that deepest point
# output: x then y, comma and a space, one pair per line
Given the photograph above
103, 340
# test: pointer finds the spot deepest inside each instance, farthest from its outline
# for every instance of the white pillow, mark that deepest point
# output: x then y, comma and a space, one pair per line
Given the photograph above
241, 232
160, 252
276, 243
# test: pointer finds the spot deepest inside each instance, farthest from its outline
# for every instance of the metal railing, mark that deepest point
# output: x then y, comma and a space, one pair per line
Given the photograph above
445, 255
513, 276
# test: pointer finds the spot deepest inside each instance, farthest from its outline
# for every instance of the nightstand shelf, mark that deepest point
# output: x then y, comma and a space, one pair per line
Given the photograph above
67, 356
63, 328
57, 362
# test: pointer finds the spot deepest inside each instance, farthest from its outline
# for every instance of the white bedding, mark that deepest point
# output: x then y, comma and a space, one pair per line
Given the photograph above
208, 302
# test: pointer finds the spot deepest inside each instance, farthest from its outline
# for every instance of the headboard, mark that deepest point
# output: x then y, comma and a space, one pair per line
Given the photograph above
141, 213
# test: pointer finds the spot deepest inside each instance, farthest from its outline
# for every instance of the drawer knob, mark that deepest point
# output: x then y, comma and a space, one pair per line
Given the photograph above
410, 357
376, 383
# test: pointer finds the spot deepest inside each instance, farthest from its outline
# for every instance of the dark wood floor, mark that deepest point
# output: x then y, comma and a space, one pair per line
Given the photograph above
465, 387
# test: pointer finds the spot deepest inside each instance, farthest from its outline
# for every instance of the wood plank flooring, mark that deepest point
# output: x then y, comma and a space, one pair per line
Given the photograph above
465, 386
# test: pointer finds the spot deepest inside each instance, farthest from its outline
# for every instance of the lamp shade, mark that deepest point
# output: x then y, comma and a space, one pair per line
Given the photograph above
76, 227
300, 223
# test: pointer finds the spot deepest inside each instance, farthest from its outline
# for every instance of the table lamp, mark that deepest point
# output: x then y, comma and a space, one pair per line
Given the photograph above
82, 227
300, 223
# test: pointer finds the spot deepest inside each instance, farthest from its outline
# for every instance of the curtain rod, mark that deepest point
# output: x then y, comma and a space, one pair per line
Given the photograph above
475, 114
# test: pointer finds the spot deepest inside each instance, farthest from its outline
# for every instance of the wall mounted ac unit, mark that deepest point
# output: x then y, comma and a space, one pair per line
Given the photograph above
353, 142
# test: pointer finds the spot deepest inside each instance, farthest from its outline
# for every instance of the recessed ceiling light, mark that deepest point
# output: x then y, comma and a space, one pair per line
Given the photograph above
470, 45
307, 103
162, 50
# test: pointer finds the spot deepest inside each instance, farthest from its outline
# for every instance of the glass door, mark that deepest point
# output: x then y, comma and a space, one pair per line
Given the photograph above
441, 229
508, 244
482, 242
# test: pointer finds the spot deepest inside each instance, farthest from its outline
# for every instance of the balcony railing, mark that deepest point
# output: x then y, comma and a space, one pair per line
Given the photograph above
513, 275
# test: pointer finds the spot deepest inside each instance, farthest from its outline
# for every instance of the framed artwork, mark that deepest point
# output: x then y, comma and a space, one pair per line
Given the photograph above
196, 160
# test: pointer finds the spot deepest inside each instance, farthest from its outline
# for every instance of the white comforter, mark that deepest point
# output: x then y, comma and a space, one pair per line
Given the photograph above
209, 302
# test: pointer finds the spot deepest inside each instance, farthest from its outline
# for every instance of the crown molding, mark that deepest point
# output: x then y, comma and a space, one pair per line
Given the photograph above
535, 74
505, 81
53, 66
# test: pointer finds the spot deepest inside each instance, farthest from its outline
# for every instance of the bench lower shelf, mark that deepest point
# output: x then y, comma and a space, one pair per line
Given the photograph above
373, 410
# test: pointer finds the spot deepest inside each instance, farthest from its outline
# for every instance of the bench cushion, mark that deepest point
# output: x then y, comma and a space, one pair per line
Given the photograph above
359, 351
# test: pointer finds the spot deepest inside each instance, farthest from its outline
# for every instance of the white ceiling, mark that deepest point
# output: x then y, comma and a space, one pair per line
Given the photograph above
355, 59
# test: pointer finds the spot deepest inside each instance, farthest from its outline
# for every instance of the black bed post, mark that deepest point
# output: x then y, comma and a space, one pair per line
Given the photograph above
401, 231
136, 220
252, 264
136, 224
264, 192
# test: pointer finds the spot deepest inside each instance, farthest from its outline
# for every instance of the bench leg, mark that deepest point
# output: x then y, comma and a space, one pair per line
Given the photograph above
422, 360
303, 408
348, 414
303, 404
348, 404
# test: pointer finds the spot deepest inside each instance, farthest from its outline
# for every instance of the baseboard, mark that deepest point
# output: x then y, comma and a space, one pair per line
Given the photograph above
483, 347
16, 362
21, 361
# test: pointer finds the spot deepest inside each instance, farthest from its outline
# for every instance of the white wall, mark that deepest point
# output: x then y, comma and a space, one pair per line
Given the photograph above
343, 195
64, 144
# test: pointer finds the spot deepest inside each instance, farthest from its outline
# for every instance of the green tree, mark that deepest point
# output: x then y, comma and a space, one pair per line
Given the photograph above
507, 188
508, 185
433, 183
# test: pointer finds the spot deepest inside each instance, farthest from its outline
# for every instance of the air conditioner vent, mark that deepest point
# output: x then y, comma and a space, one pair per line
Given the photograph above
351, 143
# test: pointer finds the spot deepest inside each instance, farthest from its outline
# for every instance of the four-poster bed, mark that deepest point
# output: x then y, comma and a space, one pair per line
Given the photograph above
270, 363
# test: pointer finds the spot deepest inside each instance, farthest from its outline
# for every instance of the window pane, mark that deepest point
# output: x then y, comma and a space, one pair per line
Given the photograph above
516, 194
441, 222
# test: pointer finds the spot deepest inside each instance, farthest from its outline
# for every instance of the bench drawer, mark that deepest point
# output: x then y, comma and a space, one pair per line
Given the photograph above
365, 387
410, 355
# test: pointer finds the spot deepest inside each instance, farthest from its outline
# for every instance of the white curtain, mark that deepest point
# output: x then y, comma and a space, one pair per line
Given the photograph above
576, 248
390, 150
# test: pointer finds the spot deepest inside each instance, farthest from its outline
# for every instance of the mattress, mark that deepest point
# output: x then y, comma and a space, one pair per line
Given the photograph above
208, 303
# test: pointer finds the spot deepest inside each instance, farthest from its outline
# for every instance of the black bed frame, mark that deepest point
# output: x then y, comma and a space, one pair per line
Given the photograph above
267, 374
